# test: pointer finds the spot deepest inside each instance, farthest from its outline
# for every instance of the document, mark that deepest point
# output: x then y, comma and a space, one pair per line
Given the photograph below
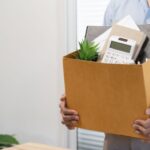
125, 22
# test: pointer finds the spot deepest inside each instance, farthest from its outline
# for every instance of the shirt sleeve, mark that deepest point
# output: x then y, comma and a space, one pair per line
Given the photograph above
147, 16
109, 13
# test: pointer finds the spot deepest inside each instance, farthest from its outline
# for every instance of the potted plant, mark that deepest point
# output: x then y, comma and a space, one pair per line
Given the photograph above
7, 141
88, 51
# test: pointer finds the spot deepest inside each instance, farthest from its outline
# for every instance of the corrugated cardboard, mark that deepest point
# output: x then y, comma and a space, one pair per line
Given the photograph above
33, 146
108, 97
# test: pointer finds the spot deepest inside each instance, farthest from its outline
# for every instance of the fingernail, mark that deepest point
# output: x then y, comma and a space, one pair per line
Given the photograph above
137, 132
148, 111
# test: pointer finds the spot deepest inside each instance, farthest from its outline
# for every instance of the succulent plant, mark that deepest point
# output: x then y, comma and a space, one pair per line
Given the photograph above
88, 51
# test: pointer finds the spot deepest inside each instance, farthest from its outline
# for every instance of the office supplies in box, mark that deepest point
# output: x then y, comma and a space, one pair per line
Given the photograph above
108, 97
128, 33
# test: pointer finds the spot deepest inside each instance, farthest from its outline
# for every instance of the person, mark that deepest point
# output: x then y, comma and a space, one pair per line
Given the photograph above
139, 10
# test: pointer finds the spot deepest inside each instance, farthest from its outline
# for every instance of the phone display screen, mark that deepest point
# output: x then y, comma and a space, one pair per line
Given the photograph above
120, 46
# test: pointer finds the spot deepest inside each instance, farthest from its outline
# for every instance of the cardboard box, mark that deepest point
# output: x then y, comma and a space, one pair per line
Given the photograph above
108, 97
33, 146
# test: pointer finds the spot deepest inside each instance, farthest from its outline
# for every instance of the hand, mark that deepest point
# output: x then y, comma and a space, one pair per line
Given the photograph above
69, 117
143, 126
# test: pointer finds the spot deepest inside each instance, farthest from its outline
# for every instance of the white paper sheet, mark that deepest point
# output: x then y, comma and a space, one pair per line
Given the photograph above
126, 22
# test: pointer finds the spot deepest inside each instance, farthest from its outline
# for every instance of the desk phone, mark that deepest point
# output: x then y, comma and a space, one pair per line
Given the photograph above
119, 51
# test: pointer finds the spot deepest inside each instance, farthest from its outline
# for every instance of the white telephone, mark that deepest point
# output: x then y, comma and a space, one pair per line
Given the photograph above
119, 51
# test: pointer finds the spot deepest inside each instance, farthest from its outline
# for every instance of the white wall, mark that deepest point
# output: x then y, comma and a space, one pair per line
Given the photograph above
29, 42
90, 13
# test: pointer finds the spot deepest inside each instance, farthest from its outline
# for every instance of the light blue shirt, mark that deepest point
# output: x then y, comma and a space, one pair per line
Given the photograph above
118, 9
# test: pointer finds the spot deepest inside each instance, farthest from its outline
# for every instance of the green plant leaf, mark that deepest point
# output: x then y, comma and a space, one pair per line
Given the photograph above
88, 50
7, 140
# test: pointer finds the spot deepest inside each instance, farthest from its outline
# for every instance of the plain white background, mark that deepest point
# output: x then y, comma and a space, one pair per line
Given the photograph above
90, 13
34, 35
31, 48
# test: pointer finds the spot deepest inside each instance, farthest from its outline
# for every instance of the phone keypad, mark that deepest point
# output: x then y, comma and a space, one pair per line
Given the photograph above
116, 57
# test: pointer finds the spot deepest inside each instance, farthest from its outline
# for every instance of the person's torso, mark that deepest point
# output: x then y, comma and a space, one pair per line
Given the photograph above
137, 9
140, 12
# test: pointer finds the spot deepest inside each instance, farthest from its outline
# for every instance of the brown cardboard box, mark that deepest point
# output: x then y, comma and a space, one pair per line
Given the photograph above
108, 97
33, 146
